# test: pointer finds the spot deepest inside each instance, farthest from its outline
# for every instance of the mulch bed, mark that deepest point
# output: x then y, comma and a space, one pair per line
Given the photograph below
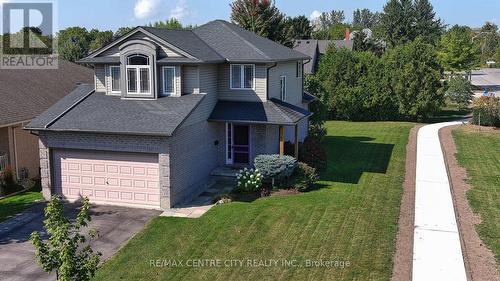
403, 257
479, 260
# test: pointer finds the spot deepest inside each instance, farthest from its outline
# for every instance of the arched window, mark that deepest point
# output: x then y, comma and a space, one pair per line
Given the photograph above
138, 74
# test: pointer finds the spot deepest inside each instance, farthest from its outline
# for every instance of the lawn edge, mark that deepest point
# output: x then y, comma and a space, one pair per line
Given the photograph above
403, 256
479, 260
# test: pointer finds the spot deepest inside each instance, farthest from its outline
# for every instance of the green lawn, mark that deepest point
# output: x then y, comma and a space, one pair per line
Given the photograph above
351, 218
17, 203
479, 153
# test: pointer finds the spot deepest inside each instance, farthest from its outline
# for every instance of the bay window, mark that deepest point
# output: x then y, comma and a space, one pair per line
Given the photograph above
138, 74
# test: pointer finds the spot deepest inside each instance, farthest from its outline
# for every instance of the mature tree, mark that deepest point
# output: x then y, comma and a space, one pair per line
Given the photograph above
460, 91
328, 19
100, 38
298, 28
489, 27
73, 43
122, 31
172, 23
353, 86
427, 25
364, 18
414, 74
497, 57
397, 22
489, 40
259, 16
64, 251
362, 43
457, 50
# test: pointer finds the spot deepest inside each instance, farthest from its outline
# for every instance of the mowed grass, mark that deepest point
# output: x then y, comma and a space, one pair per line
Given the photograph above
351, 218
16, 204
479, 154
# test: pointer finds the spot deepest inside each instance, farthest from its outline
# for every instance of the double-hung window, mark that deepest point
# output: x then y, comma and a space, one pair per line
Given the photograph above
283, 88
114, 72
138, 75
242, 76
168, 80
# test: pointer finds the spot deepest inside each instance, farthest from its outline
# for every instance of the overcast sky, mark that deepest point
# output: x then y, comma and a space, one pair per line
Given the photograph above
112, 14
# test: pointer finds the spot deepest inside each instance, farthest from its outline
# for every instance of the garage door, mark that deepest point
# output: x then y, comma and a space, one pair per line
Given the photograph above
127, 179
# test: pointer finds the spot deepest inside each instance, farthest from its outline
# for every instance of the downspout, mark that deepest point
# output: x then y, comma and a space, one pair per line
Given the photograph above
267, 79
303, 74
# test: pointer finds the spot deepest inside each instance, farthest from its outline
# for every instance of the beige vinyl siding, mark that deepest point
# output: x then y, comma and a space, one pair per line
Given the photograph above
178, 81
100, 77
293, 84
163, 51
193, 156
226, 93
190, 80
208, 86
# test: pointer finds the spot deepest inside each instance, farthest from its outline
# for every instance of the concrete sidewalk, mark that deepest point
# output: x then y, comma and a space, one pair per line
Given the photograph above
437, 253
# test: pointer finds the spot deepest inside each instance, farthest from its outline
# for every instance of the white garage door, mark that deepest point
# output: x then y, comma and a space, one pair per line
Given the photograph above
127, 179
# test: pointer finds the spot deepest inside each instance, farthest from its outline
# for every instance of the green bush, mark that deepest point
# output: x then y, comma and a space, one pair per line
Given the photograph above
248, 180
304, 177
486, 111
313, 153
317, 131
460, 91
275, 166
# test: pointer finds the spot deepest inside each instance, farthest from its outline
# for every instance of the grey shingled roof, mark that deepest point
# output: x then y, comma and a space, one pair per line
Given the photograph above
187, 41
236, 44
271, 112
314, 48
306, 97
25, 93
102, 113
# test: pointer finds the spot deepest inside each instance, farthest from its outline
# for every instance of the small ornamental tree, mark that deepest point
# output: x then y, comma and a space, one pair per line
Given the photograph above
460, 91
62, 252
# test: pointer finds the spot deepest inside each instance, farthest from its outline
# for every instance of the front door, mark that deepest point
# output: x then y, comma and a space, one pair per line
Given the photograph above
238, 148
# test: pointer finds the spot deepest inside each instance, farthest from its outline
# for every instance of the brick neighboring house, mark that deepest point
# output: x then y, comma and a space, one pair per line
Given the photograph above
24, 94
168, 107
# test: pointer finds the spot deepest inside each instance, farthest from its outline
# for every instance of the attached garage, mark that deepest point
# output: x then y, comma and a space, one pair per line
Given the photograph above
117, 178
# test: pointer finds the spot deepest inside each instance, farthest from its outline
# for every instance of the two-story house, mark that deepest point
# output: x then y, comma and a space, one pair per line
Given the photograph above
168, 107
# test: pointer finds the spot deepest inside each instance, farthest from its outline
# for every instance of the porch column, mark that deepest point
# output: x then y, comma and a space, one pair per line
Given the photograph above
282, 140
296, 143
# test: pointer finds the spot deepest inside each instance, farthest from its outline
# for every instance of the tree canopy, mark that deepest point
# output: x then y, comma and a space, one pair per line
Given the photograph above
404, 20
259, 16
457, 49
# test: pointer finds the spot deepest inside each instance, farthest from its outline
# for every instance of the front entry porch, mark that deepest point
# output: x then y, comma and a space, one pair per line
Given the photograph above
255, 128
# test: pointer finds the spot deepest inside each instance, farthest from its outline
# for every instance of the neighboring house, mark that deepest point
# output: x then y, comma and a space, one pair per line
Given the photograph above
486, 82
168, 107
24, 94
315, 49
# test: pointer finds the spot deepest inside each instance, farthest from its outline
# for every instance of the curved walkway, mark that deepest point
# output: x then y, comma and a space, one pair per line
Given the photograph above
437, 253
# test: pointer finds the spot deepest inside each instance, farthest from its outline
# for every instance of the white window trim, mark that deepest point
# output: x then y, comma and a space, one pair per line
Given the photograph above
111, 79
283, 95
242, 76
163, 81
229, 160
299, 65
137, 76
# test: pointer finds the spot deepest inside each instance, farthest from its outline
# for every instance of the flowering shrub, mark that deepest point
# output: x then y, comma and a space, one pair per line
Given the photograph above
249, 180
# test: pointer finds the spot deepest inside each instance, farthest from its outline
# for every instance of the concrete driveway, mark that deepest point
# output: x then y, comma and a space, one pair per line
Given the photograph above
116, 225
